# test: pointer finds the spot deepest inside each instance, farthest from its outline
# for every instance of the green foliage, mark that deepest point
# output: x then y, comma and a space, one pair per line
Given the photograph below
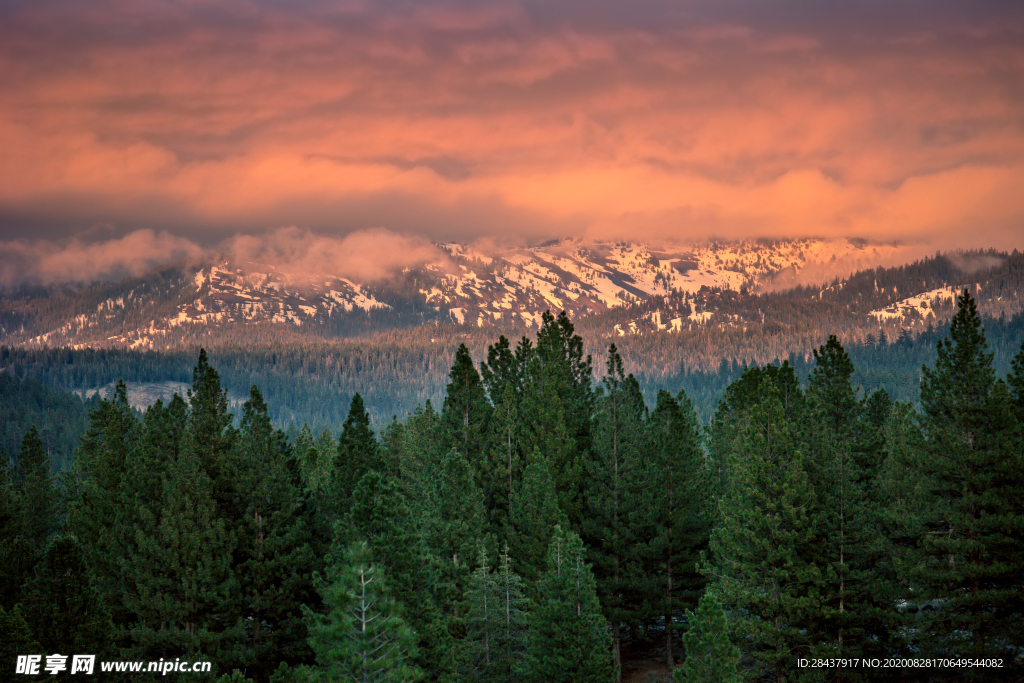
381, 517
65, 610
556, 406
759, 565
15, 639
273, 556
496, 623
612, 522
568, 640
535, 513
710, 656
466, 411
674, 501
969, 556
61, 418
358, 453
839, 525
362, 636
503, 461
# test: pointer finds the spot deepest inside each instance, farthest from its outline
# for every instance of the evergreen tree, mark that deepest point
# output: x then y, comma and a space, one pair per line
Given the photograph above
496, 623
36, 492
466, 412
381, 517
358, 453
65, 610
902, 491
110, 486
362, 637
848, 547
971, 555
557, 404
453, 529
180, 586
15, 639
1015, 380
420, 450
759, 567
505, 368
535, 513
611, 524
28, 516
503, 463
740, 397
710, 656
209, 419
568, 640
273, 559
674, 506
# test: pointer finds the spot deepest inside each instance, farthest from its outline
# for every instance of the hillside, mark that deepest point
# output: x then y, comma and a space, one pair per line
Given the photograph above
223, 302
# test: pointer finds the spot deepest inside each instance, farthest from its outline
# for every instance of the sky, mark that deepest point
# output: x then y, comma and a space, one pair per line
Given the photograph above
137, 131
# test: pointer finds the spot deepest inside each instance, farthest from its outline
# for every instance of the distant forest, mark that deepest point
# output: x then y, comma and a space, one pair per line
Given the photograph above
533, 523
397, 372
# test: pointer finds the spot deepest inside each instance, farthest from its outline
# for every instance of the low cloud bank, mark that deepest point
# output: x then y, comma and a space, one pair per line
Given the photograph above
362, 256
45, 262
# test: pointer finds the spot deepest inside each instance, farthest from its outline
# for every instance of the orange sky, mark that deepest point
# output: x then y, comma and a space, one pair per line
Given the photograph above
440, 120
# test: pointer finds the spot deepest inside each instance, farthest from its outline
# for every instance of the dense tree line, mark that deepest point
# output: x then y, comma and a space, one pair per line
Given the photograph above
60, 417
396, 372
537, 522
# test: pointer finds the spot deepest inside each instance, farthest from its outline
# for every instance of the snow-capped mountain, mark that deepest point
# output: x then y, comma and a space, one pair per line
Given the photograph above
463, 284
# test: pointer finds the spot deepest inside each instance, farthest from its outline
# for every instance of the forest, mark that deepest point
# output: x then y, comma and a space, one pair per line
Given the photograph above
538, 523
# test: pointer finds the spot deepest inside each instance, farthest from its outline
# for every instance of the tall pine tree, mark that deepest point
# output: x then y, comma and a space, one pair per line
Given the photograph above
970, 556
568, 641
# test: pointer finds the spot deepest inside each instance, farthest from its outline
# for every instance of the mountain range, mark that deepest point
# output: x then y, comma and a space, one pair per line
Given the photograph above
621, 288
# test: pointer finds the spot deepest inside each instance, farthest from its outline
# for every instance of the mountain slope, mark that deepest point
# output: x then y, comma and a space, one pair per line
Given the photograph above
211, 303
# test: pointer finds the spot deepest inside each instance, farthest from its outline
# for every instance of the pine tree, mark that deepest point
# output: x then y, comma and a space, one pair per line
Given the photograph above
180, 586
496, 623
849, 547
15, 639
675, 511
970, 557
381, 517
612, 486
557, 404
65, 610
420, 449
453, 526
273, 561
740, 397
362, 637
482, 624
36, 492
758, 563
568, 640
358, 454
710, 656
505, 368
466, 412
209, 419
118, 471
30, 505
535, 513
503, 463
1015, 380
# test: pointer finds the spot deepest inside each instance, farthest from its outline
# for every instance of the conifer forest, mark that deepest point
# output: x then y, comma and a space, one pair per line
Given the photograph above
538, 525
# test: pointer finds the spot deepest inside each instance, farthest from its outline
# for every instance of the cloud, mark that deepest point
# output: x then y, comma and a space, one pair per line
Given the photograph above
45, 262
300, 254
362, 256
457, 120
